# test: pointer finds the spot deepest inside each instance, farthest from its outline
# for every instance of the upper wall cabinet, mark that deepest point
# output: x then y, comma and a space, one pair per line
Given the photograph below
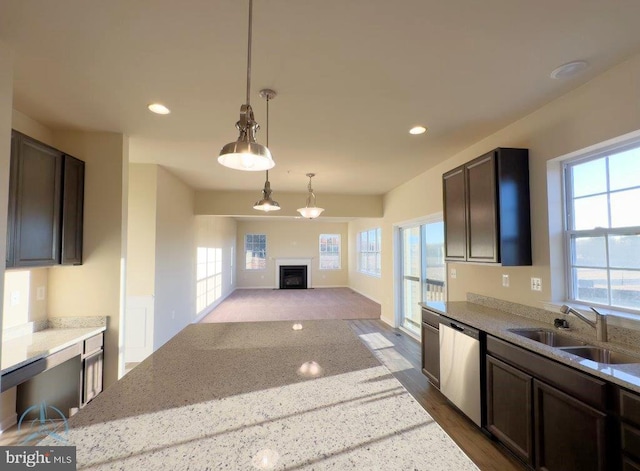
46, 191
486, 209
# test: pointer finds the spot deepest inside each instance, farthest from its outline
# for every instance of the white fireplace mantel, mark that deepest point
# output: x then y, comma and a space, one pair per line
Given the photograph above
293, 261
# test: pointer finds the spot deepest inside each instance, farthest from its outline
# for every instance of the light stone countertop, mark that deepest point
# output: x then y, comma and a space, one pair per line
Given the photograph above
25, 349
246, 396
497, 323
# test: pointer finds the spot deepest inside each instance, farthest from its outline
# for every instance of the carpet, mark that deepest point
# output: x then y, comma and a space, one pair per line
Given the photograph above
255, 305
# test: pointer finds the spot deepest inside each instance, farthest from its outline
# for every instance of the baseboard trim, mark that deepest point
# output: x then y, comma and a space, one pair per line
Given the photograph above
212, 307
8, 422
365, 295
387, 322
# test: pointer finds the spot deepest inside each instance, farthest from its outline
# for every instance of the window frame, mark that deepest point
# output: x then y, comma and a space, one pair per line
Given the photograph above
321, 253
378, 253
569, 234
264, 267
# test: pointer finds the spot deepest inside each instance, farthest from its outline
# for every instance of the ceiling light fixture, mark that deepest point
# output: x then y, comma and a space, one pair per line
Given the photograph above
569, 69
246, 153
158, 108
417, 130
266, 204
310, 211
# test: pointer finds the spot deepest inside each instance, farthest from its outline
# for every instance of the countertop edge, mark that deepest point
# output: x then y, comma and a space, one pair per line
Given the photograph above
496, 323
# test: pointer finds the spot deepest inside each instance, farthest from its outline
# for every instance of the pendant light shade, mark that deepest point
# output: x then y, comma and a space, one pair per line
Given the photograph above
310, 211
266, 204
246, 153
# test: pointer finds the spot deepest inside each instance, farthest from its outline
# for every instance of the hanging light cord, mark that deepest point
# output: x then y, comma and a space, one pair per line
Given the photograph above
249, 52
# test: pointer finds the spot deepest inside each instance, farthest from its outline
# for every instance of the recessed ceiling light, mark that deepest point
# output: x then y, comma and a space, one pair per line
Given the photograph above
569, 69
158, 108
417, 130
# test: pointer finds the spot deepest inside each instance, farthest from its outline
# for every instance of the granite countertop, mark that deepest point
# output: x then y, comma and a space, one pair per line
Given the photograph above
243, 396
497, 323
25, 349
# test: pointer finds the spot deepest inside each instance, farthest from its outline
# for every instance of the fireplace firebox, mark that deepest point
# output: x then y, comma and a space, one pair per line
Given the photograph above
293, 276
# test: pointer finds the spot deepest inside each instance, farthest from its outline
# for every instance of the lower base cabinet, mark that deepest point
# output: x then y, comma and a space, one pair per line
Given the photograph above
570, 435
509, 414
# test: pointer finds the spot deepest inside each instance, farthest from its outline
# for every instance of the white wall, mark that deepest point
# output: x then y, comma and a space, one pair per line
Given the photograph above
174, 257
297, 239
604, 108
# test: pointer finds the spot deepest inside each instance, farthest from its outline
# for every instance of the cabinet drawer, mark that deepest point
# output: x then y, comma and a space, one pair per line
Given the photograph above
431, 318
630, 440
93, 343
581, 386
630, 407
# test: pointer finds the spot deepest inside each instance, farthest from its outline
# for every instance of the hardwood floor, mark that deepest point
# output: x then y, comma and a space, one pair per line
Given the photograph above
401, 354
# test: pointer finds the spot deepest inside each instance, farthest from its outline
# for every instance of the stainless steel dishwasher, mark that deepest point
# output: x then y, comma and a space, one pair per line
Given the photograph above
460, 367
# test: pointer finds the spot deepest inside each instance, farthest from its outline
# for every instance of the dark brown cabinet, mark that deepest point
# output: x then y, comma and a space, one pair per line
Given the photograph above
46, 193
486, 209
431, 346
553, 417
509, 414
92, 368
628, 424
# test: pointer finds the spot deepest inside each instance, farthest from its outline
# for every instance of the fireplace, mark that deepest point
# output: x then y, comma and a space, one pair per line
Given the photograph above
293, 276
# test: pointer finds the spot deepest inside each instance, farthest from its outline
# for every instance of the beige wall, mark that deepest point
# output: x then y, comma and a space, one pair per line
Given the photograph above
29, 308
367, 285
604, 108
175, 253
95, 288
299, 239
219, 233
141, 234
240, 203
6, 103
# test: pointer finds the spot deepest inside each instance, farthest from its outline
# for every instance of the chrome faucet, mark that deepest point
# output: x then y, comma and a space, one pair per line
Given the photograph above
600, 324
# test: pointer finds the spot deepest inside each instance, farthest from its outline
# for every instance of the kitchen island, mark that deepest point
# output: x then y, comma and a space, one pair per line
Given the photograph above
260, 396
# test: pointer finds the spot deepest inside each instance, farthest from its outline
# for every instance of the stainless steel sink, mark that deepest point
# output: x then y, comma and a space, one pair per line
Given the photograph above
602, 355
548, 337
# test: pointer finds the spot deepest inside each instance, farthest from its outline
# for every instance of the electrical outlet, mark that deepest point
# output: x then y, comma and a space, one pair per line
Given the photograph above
40, 293
505, 281
15, 298
453, 273
536, 284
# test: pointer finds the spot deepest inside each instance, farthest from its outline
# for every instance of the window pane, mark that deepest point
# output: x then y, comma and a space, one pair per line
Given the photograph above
624, 251
589, 178
590, 212
590, 251
624, 210
625, 288
590, 285
624, 170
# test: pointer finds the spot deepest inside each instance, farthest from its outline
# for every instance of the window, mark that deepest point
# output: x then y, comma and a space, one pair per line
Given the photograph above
208, 276
329, 251
255, 251
603, 229
369, 243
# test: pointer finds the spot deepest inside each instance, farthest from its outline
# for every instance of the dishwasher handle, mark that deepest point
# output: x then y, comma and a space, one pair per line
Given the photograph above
462, 328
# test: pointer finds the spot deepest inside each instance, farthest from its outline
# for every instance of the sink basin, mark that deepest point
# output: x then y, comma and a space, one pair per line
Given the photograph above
548, 337
602, 355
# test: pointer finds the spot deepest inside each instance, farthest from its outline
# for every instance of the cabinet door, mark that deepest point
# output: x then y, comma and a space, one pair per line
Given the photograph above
72, 211
11, 213
509, 407
570, 435
92, 376
36, 233
482, 223
455, 219
431, 354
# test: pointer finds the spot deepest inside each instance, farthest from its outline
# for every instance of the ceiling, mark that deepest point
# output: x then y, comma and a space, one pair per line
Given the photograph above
352, 77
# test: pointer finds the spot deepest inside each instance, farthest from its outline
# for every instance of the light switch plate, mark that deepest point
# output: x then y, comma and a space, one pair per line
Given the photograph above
15, 298
453, 273
536, 284
40, 293
505, 281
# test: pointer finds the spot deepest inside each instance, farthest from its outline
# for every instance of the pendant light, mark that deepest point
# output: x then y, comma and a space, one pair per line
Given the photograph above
266, 204
246, 153
310, 211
